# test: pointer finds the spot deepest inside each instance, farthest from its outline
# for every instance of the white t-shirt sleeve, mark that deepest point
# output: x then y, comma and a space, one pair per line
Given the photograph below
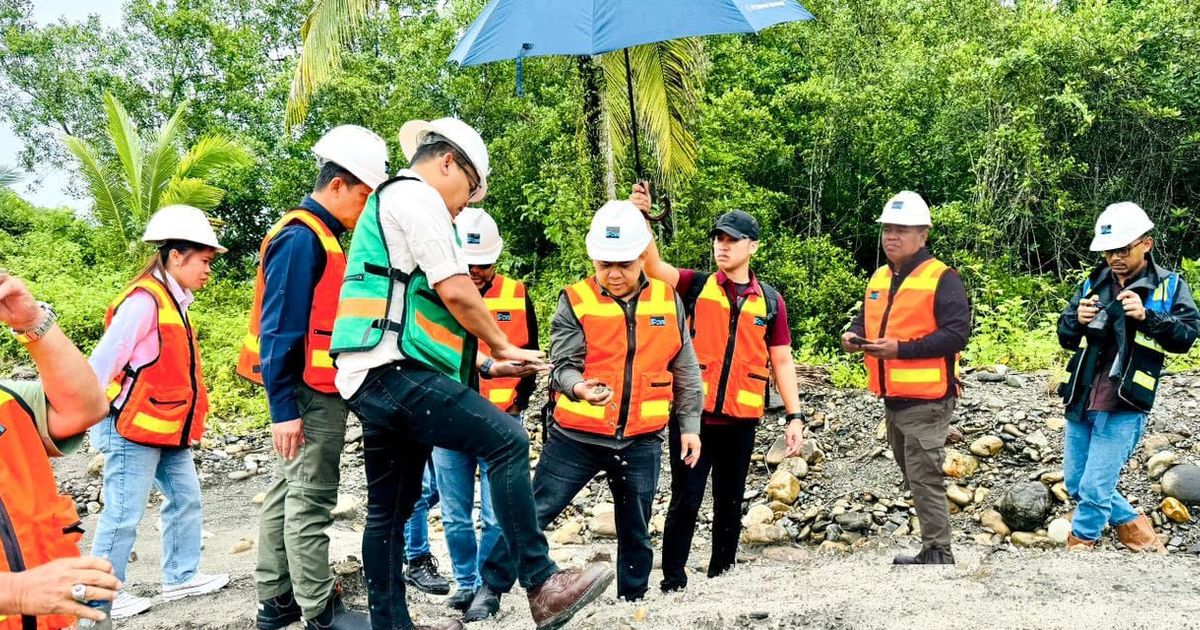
416, 213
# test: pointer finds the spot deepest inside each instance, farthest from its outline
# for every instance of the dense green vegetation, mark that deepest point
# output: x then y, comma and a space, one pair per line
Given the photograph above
1018, 124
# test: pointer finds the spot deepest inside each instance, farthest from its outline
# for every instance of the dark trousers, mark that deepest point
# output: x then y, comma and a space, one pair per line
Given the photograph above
726, 453
406, 410
566, 466
917, 435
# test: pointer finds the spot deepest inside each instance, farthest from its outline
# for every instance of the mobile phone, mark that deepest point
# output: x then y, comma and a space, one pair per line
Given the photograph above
859, 341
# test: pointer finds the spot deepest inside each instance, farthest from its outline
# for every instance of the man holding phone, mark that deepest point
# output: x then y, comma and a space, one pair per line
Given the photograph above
915, 320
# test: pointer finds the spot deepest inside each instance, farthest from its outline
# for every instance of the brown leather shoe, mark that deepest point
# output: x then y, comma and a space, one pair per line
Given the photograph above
558, 599
1138, 535
445, 624
1079, 544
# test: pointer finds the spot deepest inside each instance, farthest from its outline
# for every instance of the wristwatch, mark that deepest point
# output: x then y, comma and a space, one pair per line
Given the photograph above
37, 332
799, 415
486, 368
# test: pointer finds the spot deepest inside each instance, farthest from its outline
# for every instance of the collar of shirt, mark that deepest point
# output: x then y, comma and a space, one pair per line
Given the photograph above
921, 256
183, 296
330, 221
731, 287
643, 282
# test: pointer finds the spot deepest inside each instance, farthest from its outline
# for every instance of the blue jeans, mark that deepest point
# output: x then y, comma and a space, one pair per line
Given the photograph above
130, 470
416, 528
1095, 449
456, 482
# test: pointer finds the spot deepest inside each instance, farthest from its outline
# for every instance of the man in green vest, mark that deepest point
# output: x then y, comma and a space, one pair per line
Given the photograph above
405, 342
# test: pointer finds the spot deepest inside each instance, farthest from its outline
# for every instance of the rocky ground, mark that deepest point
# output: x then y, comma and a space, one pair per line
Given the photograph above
821, 529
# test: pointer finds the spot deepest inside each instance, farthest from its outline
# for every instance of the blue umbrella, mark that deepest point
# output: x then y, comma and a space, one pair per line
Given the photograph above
515, 29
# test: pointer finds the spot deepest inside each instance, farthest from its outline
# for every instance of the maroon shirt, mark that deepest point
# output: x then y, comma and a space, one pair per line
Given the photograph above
778, 332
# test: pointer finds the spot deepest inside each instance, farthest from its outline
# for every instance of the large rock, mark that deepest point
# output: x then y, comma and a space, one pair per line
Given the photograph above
604, 525
795, 465
959, 495
1025, 505
777, 452
1058, 530
95, 467
783, 487
959, 465
764, 534
987, 446
1160, 462
1183, 483
854, 521
569, 534
1031, 540
758, 515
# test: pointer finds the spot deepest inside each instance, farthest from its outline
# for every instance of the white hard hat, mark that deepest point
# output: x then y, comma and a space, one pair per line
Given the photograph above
618, 234
480, 237
356, 149
906, 208
458, 133
183, 223
1119, 225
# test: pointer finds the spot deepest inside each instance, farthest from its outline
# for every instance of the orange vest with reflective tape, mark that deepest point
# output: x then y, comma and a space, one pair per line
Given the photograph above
731, 346
37, 524
318, 365
631, 355
906, 314
505, 300
167, 403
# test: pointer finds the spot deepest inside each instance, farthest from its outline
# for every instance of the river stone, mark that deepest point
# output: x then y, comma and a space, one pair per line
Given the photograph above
1160, 462
783, 487
987, 446
1024, 506
1183, 483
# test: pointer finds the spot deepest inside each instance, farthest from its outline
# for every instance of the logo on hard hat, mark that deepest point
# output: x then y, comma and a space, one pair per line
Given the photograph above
612, 231
1106, 229
897, 205
474, 238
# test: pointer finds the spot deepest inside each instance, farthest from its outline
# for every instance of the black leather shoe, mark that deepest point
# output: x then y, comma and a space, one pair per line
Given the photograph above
278, 612
485, 604
461, 599
422, 574
928, 555
337, 617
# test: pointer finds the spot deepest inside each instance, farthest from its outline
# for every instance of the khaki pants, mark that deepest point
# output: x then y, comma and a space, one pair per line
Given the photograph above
293, 546
918, 439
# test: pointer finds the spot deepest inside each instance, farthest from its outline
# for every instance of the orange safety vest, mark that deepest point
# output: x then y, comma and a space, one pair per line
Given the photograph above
637, 370
167, 403
318, 365
906, 314
731, 346
505, 299
37, 524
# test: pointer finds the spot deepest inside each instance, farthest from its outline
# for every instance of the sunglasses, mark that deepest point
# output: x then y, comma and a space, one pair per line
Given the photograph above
469, 171
1123, 251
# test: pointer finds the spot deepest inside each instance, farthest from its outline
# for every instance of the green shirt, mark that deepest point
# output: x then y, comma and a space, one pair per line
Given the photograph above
34, 396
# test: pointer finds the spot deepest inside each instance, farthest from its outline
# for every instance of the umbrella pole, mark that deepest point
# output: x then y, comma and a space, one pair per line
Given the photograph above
637, 152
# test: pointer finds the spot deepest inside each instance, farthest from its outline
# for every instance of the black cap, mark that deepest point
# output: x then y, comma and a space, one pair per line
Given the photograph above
737, 224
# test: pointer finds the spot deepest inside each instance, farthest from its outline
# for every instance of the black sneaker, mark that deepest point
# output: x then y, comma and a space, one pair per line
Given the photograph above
422, 574
672, 583
928, 555
337, 617
485, 604
461, 599
278, 612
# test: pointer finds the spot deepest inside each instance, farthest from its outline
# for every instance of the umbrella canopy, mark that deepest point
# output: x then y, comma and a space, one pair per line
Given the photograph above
510, 29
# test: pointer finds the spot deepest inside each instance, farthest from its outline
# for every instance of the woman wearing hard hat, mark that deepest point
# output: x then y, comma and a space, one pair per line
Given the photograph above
149, 358
1122, 320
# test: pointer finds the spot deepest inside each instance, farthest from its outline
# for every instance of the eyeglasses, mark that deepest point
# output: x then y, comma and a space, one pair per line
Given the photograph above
1123, 251
472, 176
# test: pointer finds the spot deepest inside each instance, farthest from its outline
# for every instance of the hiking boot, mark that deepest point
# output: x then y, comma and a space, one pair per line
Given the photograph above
127, 605
278, 612
565, 593
485, 604
1079, 544
461, 599
928, 555
422, 574
1138, 535
337, 617
200, 584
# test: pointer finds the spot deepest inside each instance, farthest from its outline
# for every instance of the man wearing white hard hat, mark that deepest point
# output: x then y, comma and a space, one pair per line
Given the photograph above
1120, 323
405, 344
624, 368
301, 265
914, 322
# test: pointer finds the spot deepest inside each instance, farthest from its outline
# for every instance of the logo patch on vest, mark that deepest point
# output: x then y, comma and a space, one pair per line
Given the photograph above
759, 320
474, 238
612, 231
504, 317
658, 321
1105, 230
873, 296
2, 429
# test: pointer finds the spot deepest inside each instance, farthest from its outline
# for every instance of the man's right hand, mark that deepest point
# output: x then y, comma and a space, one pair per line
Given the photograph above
850, 346
287, 437
1088, 308
593, 391
46, 589
18, 309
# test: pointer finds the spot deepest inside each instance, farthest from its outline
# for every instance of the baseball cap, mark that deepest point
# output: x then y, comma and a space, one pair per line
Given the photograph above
737, 224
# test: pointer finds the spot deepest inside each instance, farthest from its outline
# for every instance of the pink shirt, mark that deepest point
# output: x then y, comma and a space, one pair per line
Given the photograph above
132, 336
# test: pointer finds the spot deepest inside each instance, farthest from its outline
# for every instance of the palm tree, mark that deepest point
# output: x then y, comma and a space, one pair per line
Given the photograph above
9, 175
126, 191
666, 80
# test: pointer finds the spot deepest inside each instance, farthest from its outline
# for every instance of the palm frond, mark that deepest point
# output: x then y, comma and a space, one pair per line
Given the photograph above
108, 196
128, 147
9, 175
193, 192
666, 81
212, 155
162, 160
331, 26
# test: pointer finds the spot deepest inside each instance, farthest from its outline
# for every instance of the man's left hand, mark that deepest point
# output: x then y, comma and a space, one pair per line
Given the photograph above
885, 348
689, 449
794, 437
1132, 303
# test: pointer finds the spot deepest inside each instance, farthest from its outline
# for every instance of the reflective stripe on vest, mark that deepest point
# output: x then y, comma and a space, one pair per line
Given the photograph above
731, 346
37, 524
631, 356
505, 300
906, 314
318, 365
167, 403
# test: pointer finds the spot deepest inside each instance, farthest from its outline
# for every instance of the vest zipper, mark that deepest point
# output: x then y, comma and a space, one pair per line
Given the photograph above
630, 349
735, 312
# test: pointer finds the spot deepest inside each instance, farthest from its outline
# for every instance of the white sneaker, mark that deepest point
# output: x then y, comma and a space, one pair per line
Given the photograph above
200, 584
128, 605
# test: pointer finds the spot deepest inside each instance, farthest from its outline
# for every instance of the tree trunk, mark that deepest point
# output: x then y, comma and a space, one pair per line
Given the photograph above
593, 125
